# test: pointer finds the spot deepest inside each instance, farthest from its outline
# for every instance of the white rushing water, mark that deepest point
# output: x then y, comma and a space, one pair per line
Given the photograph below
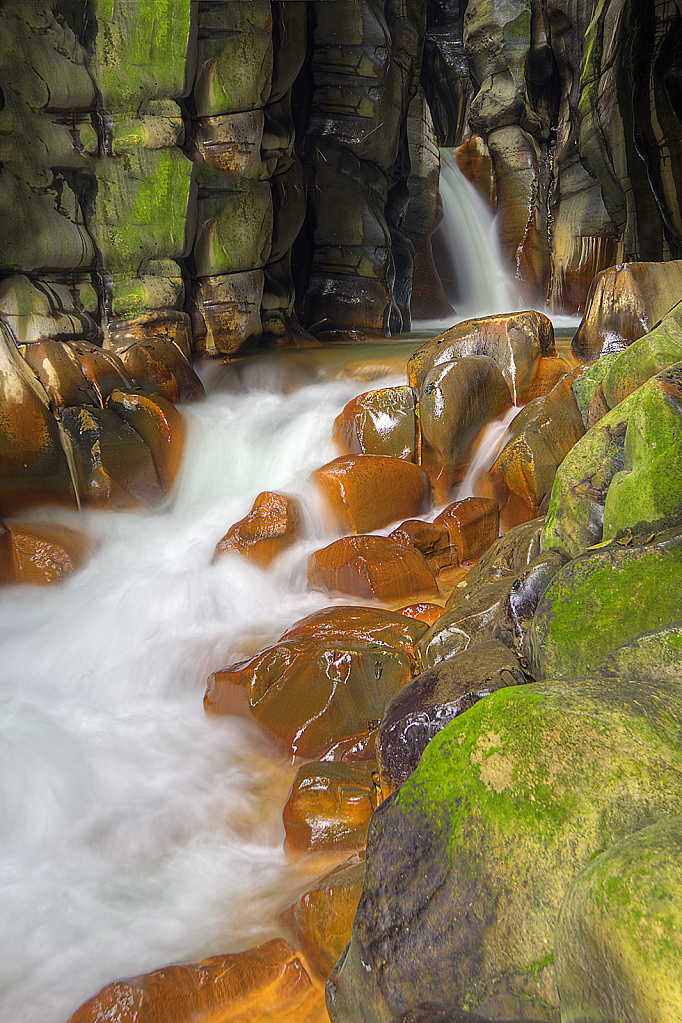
134, 830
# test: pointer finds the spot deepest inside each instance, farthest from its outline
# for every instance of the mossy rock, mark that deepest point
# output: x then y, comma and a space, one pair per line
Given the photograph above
648, 492
653, 656
584, 386
660, 348
467, 865
618, 945
602, 599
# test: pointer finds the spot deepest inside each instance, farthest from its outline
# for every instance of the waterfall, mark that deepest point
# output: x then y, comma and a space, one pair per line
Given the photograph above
475, 281
135, 830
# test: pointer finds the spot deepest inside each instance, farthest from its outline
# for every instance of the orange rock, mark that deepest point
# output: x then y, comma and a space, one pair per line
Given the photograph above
160, 426
366, 492
33, 466
103, 370
548, 373
323, 684
59, 371
473, 159
381, 422
272, 525
329, 807
266, 983
428, 613
7, 567
473, 526
431, 539
42, 555
112, 464
322, 918
155, 350
514, 341
371, 566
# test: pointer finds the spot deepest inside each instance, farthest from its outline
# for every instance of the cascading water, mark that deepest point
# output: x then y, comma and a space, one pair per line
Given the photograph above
135, 831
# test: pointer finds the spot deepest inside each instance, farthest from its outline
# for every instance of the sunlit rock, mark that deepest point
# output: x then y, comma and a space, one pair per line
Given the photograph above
42, 314
39, 555
160, 426
517, 342
424, 612
382, 422
60, 372
227, 312
467, 865
322, 918
473, 159
325, 682
272, 525
617, 946
539, 438
659, 348
155, 350
624, 303
112, 465
103, 370
603, 598
548, 372
329, 807
425, 705
457, 399
266, 983
33, 466
371, 566
472, 525
368, 491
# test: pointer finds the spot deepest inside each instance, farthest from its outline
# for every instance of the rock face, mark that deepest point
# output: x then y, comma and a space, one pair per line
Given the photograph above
507, 806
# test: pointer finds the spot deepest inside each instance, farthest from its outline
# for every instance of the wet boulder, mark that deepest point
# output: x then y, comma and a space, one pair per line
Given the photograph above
424, 612
514, 341
329, 807
61, 375
618, 938
472, 525
468, 864
274, 523
264, 983
518, 605
160, 426
155, 349
431, 539
326, 682
424, 706
322, 918
603, 598
40, 555
457, 399
539, 439
371, 566
381, 422
623, 304
365, 492
471, 610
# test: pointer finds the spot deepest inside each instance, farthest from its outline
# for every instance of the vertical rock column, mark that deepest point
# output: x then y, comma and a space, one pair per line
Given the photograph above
365, 67
235, 207
144, 201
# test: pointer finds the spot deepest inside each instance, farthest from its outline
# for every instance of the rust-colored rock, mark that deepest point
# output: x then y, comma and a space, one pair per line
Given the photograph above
329, 807
268, 982
41, 555
322, 918
155, 350
371, 566
431, 539
548, 372
325, 683
103, 370
473, 159
366, 492
112, 465
381, 422
457, 400
59, 371
272, 525
160, 426
424, 612
515, 341
472, 525
624, 303
539, 439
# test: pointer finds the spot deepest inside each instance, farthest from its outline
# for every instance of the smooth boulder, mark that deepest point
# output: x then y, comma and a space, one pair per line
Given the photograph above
371, 566
365, 492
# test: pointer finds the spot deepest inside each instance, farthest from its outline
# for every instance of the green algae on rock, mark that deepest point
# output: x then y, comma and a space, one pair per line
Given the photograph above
603, 598
468, 864
619, 936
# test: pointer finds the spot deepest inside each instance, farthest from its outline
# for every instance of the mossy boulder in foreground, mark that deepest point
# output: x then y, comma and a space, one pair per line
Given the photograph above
468, 863
619, 937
